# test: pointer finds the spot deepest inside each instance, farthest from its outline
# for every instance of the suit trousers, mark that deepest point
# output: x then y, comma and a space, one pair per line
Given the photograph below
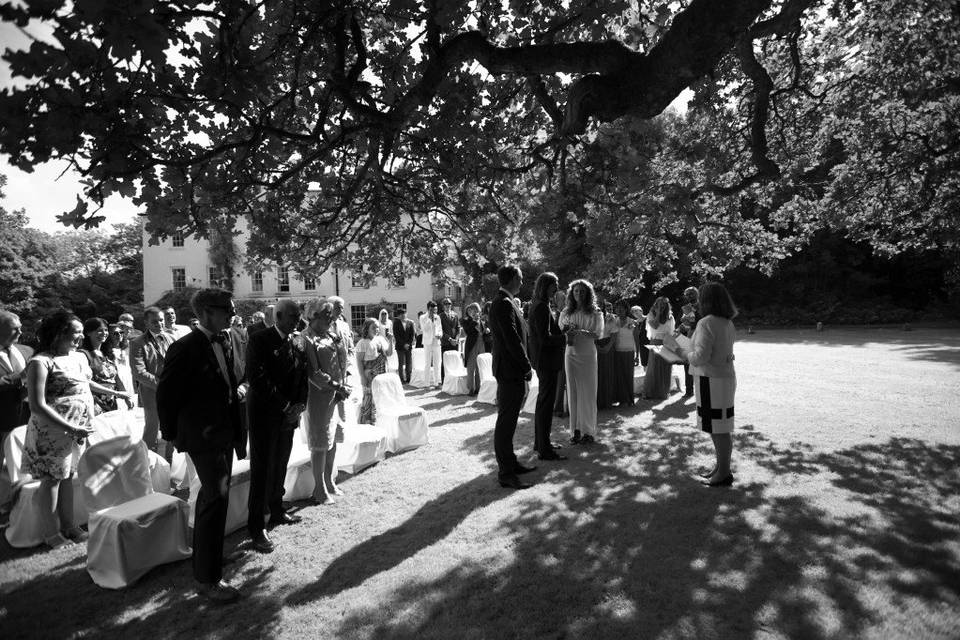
213, 469
270, 447
151, 420
543, 414
509, 400
404, 365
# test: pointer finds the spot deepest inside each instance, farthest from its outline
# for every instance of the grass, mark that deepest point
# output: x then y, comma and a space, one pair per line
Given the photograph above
843, 523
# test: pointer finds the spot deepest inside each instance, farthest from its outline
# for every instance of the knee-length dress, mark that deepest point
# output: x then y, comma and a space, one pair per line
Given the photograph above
580, 363
714, 378
327, 359
49, 451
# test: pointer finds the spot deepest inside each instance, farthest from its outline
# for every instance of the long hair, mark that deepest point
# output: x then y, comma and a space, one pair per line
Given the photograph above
659, 312
89, 326
715, 300
542, 285
53, 327
589, 305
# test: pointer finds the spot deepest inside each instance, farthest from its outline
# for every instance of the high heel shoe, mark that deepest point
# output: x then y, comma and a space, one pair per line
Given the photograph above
725, 482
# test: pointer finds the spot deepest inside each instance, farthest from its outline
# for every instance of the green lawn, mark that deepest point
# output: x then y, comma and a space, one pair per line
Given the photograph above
843, 523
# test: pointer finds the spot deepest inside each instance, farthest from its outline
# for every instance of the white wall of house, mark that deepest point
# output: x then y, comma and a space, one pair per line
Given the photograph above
166, 267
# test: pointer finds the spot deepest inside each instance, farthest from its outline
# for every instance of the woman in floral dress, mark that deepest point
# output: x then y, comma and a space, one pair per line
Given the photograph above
372, 352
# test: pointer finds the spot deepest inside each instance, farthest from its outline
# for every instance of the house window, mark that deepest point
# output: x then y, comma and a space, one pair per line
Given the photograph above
398, 307
283, 280
177, 239
214, 273
179, 278
309, 283
358, 281
398, 282
256, 279
358, 313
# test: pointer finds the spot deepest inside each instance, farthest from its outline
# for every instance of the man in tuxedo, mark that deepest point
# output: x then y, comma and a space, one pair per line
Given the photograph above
450, 326
513, 372
198, 399
547, 344
404, 334
277, 372
14, 410
432, 330
147, 353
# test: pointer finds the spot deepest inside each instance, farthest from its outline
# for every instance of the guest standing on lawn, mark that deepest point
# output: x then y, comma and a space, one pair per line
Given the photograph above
546, 354
582, 323
623, 356
473, 327
198, 399
715, 381
513, 372
689, 316
372, 353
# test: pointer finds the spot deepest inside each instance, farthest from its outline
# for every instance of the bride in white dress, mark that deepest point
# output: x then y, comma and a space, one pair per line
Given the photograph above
582, 322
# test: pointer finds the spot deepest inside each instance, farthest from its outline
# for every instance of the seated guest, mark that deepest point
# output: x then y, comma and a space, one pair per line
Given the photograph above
104, 369
59, 386
14, 411
372, 352
660, 323
327, 369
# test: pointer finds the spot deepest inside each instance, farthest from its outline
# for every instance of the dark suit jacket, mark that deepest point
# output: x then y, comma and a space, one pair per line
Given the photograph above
13, 408
277, 373
450, 324
404, 333
199, 411
509, 342
256, 327
547, 342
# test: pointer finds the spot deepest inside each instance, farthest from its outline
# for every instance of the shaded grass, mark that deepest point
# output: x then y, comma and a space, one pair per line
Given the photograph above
843, 524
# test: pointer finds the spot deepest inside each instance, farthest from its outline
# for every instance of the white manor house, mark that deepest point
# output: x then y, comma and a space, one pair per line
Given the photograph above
183, 261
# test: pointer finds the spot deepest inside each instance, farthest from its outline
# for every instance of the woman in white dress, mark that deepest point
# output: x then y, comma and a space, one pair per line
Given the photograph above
660, 324
582, 323
714, 379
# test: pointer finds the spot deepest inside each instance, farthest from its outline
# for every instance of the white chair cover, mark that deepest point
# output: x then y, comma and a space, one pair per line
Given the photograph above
530, 404
454, 374
363, 445
417, 360
25, 528
488, 384
298, 483
239, 494
406, 425
122, 422
132, 529
638, 376
393, 362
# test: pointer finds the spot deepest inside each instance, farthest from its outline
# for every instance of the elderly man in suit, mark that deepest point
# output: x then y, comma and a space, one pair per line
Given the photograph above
277, 373
513, 372
147, 353
198, 397
14, 410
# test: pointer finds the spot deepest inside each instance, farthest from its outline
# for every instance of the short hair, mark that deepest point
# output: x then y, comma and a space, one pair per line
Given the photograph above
367, 325
320, 307
715, 300
446, 301
285, 306
168, 308
127, 316
542, 285
337, 300
258, 316
150, 311
507, 273
690, 290
589, 305
90, 325
472, 305
210, 298
399, 311
8, 317
431, 303
54, 326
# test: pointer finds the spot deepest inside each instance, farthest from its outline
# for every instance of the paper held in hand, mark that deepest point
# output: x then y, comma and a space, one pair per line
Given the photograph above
669, 355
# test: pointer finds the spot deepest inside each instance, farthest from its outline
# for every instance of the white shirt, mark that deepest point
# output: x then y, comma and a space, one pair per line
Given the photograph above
432, 329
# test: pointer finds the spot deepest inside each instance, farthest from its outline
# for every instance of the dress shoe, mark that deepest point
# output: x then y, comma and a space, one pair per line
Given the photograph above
587, 439
76, 534
552, 455
513, 482
284, 518
519, 469
218, 592
556, 445
576, 437
725, 482
262, 543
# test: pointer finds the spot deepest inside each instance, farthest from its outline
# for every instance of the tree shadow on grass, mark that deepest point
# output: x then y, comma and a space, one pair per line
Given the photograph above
629, 546
466, 413
63, 602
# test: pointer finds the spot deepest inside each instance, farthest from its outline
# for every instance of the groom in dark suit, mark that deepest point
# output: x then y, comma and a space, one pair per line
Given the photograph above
277, 371
547, 344
513, 372
198, 402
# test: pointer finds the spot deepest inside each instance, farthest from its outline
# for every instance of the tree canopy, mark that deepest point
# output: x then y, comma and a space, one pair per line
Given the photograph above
498, 127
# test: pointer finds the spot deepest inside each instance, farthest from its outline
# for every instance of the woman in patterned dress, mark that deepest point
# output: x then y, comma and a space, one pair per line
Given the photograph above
104, 369
61, 405
372, 352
